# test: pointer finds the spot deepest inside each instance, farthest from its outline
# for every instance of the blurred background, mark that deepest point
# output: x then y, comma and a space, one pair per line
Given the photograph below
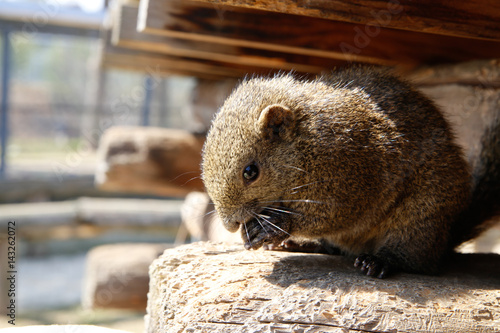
56, 102
104, 106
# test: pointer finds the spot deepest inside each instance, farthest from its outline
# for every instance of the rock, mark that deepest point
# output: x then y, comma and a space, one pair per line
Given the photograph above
149, 160
208, 287
116, 275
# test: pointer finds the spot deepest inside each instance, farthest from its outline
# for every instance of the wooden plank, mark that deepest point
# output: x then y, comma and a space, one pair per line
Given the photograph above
165, 66
126, 35
160, 64
244, 27
472, 18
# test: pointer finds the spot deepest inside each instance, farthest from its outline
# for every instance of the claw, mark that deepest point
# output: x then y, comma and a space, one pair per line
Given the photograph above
372, 266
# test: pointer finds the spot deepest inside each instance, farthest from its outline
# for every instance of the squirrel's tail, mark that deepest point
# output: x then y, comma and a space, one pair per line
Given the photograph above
485, 201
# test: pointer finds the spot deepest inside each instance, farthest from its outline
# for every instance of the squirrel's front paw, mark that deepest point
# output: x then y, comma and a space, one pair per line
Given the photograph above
256, 233
372, 266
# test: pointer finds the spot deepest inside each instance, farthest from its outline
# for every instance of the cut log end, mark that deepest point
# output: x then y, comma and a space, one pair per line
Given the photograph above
214, 287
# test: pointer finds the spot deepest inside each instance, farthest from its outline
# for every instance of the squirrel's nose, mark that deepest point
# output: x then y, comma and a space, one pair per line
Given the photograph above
231, 226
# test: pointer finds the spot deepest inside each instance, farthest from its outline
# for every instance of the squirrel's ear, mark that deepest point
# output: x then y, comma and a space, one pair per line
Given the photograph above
275, 122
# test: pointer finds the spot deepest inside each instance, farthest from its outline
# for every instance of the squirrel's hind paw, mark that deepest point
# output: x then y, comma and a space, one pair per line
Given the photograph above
372, 266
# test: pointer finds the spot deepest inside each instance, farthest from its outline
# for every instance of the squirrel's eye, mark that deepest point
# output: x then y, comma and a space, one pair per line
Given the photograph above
251, 172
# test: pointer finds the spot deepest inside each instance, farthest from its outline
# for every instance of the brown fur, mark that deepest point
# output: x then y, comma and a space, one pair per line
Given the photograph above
358, 159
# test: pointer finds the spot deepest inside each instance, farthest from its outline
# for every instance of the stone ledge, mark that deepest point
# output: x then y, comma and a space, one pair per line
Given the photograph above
214, 287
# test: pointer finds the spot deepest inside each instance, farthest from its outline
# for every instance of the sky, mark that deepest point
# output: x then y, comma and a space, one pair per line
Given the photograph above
86, 5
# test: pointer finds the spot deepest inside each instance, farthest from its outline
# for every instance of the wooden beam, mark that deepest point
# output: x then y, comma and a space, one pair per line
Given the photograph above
200, 21
126, 35
164, 65
472, 18
26, 29
161, 64
246, 28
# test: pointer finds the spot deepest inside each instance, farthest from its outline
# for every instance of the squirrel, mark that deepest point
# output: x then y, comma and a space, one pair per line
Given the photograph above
357, 160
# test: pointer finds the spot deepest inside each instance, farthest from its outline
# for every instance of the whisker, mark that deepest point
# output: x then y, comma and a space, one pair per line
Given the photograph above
258, 220
309, 184
183, 174
282, 210
197, 177
294, 189
246, 231
294, 167
209, 213
274, 225
298, 200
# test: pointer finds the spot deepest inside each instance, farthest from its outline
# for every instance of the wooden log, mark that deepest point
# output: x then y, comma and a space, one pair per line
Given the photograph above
149, 160
473, 19
116, 276
126, 35
316, 37
103, 212
40, 214
71, 226
113, 212
40, 189
208, 287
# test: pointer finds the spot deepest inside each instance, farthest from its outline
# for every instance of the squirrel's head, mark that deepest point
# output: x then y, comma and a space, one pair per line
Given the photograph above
247, 165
